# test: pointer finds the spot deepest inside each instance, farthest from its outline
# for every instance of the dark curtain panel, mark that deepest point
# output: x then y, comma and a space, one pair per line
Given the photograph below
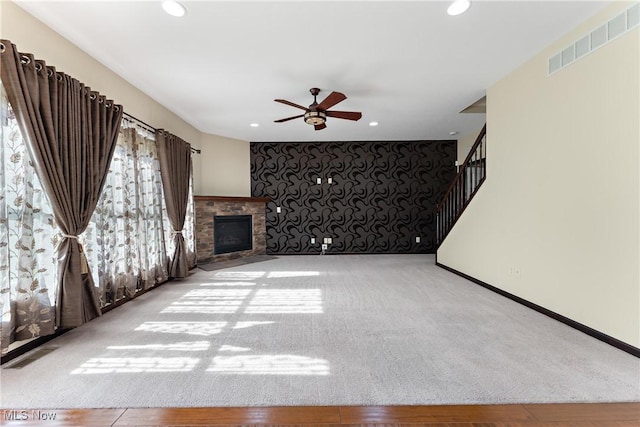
175, 170
71, 133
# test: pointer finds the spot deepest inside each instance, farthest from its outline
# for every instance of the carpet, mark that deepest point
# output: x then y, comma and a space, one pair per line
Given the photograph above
320, 330
219, 265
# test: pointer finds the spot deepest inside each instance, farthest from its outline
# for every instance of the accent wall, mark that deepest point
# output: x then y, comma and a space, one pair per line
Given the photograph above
380, 199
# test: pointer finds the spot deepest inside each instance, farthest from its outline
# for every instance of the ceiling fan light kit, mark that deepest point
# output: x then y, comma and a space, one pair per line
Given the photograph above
315, 117
316, 114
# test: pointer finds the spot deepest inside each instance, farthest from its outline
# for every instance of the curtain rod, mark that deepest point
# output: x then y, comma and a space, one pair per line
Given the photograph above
130, 118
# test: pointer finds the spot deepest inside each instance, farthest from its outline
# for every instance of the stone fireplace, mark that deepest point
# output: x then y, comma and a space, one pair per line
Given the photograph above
232, 214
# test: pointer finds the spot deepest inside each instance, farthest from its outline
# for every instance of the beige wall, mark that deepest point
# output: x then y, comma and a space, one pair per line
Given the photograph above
557, 221
226, 168
223, 167
31, 35
465, 143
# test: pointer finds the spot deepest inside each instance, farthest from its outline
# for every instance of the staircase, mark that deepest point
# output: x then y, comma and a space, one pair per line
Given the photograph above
470, 177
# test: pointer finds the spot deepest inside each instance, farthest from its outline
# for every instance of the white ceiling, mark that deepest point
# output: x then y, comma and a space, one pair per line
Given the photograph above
405, 64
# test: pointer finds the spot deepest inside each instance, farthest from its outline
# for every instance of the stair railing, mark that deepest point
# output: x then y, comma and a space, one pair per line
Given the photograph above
470, 177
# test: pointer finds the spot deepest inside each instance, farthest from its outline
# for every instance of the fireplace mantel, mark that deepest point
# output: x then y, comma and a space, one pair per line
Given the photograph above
231, 199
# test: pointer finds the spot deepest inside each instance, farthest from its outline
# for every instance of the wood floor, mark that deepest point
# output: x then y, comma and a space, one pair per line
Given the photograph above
521, 415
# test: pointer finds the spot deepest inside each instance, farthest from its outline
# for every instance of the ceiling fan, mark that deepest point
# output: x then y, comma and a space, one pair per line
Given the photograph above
316, 114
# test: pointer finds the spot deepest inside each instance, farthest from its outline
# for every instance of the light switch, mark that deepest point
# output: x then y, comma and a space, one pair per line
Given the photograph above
318, 180
278, 209
418, 239
329, 180
313, 240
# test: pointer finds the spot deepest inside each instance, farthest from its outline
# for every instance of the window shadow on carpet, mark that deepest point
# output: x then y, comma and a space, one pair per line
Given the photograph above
211, 266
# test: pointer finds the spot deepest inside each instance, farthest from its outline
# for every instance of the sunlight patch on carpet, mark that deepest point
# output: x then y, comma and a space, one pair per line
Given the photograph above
233, 348
266, 364
279, 274
107, 365
179, 346
243, 325
188, 328
239, 275
302, 301
228, 284
207, 301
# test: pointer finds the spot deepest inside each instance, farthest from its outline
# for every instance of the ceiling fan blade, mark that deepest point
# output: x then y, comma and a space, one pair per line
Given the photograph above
331, 100
284, 101
320, 126
288, 118
348, 115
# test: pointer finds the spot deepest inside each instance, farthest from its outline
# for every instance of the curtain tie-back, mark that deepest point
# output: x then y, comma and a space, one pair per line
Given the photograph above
174, 232
84, 265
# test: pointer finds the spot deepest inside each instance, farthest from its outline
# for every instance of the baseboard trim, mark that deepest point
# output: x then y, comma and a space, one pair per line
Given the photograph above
353, 253
35, 343
621, 345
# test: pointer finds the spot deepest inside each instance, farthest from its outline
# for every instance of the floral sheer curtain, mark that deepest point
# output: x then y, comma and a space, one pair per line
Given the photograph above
125, 242
189, 231
56, 167
28, 238
70, 132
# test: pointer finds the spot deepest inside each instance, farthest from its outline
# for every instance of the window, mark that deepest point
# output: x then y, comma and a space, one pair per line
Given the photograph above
28, 237
125, 242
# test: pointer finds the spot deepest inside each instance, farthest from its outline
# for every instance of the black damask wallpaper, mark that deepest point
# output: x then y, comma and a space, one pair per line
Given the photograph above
382, 196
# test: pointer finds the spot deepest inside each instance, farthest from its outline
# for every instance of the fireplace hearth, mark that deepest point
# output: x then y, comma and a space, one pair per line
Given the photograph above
232, 233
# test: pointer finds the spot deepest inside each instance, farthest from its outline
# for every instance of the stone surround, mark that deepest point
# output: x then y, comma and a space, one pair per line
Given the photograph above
206, 207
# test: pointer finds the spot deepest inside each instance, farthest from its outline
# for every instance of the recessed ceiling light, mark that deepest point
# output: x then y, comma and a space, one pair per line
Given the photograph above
453, 133
373, 124
173, 8
458, 7
254, 125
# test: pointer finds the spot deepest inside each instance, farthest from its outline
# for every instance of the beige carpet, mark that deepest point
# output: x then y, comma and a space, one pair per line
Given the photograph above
320, 330
219, 265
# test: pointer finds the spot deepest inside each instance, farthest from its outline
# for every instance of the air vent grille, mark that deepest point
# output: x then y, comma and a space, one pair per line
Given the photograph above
615, 27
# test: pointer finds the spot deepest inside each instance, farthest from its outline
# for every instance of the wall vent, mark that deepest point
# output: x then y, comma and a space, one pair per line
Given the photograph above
612, 29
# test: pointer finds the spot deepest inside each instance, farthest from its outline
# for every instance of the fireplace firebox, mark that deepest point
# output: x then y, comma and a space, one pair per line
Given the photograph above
232, 233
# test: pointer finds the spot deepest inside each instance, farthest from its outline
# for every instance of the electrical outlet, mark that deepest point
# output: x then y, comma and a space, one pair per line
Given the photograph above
324, 246
417, 239
329, 240
318, 180
313, 240
329, 180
